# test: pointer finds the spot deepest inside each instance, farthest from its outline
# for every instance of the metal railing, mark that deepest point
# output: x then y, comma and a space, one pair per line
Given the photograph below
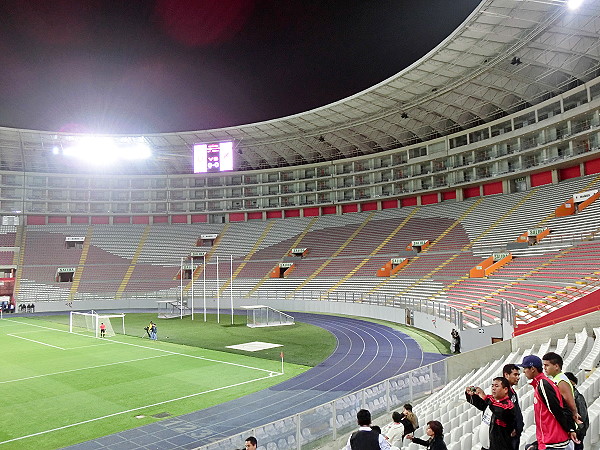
327, 422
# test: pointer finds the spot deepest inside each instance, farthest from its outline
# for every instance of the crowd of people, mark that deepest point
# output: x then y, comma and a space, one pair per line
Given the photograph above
560, 413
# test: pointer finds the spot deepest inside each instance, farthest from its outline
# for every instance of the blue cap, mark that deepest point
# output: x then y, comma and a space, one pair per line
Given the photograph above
532, 361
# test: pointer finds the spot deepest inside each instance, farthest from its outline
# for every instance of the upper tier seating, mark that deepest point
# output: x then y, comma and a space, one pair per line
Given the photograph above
344, 254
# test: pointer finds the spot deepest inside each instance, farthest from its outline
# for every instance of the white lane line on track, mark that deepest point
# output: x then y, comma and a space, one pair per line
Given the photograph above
344, 330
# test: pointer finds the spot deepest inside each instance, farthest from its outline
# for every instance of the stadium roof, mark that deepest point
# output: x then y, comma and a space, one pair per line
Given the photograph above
506, 56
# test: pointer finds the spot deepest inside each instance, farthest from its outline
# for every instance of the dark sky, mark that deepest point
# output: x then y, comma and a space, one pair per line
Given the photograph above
143, 66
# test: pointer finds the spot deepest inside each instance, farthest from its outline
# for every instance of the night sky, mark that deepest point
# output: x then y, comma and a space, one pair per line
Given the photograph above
131, 66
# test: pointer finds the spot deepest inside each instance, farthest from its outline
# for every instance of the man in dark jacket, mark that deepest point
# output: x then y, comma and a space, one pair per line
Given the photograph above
512, 373
502, 408
553, 428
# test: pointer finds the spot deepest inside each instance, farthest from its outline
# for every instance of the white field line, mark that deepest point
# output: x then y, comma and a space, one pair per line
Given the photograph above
91, 345
80, 369
37, 342
154, 348
133, 409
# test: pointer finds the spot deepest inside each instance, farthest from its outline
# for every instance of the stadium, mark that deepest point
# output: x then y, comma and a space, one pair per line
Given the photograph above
461, 193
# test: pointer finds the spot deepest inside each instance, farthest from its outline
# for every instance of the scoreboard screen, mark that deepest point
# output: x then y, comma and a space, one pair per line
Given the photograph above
215, 157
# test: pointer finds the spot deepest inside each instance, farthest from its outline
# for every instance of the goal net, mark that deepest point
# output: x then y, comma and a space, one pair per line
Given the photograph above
91, 322
265, 316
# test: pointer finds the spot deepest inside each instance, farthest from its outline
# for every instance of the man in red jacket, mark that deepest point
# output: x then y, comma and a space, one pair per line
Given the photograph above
553, 429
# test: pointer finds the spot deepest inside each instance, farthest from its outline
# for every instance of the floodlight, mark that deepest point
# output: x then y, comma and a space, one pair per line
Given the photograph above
105, 150
574, 4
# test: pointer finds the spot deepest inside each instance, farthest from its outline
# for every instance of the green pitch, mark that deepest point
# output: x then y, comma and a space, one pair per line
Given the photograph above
61, 388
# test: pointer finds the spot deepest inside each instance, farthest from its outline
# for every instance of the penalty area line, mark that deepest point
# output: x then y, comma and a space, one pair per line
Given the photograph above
96, 419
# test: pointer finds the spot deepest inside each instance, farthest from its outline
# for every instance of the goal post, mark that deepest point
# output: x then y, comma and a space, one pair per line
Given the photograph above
82, 322
265, 316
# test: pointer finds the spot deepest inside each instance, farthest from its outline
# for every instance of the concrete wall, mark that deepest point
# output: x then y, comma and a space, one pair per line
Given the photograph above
470, 339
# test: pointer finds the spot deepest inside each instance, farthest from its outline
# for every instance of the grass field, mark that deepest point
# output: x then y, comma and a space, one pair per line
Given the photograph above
60, 388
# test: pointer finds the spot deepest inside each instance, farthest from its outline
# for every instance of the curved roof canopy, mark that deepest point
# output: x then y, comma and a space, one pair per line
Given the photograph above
506, 56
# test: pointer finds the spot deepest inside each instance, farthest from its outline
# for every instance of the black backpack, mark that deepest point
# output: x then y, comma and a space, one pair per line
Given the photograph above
583, 413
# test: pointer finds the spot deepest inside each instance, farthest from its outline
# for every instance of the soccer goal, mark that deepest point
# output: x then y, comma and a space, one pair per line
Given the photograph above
265, 316
91, 321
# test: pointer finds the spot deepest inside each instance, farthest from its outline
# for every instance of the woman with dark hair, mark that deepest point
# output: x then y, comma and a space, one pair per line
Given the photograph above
435, 431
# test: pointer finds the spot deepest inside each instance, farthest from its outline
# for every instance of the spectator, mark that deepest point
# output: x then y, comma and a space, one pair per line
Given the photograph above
582, 410
553, 363
455, 345
365, 437
502, 409
435, 431
512, 373
250, 443
409, 420
394, 432
552, 427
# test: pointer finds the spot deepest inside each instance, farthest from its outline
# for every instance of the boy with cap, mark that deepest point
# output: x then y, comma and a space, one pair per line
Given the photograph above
553, 429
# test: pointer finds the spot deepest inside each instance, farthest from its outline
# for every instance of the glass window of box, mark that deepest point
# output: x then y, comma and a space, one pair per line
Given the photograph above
178, 182
158, 183
120, 208
160, 207
97, 195
33, 194
98, 208
58, 182
548, 111
57, 195
158, 195
57, 207
79, 195
458, 141
139, 196
400, 158
214, 181
479, 135
199, 206
324, 184
120, 196
177, 195
140, 208
524, 120
139, 183
501, 128
11, 180
578, 99
417, 152
78, 207
120, 183
178, 206
595, 91
199, 181
100, 183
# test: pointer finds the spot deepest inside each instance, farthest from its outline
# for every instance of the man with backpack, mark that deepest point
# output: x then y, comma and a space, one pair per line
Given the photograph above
554, 425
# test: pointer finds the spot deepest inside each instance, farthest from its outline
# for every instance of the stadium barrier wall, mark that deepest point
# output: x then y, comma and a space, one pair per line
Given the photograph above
435, 317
